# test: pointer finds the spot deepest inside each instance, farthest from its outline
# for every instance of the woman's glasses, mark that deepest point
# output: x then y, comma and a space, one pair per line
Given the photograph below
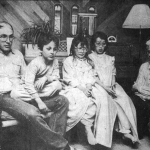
81, 49
102, 44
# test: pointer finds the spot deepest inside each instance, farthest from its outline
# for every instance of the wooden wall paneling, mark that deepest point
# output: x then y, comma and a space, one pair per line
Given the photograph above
15, 23
68, 4
47, 7
102, 11
113, 24
103, 26
26, 7
11, 20
20, 12
4, 17
9, 8
39, 11
2, 13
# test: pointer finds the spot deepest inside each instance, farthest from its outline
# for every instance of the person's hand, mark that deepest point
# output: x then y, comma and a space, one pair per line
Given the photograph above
63, 83
86, 91
47, 115
110, 91
43, 108
40, 83
52, 78
89, 87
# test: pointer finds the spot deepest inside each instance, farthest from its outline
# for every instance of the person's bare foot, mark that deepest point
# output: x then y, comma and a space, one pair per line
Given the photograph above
90, 137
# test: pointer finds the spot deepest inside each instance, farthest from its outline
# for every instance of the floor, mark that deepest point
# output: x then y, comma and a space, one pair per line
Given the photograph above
118, 143
76, 138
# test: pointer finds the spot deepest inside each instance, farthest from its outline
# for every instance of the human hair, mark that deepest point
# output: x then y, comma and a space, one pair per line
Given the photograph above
4, 24
45, 39
84, 42
96, 35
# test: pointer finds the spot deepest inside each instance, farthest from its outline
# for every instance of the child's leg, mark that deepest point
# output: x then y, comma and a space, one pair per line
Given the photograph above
88, 120
50, 89
124, 124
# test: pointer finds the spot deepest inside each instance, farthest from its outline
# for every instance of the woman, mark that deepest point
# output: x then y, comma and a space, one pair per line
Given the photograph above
105, 69
84, 98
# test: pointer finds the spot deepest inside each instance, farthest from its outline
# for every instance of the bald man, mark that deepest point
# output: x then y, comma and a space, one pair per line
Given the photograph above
12, 64
12, 67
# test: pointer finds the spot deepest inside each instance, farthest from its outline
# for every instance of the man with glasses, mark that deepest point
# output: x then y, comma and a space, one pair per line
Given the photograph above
12, 67
12, 64
141, 96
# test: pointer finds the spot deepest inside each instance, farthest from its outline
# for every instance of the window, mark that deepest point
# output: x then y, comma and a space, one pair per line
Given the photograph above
90, 23
74, 20
57, 19
91, 20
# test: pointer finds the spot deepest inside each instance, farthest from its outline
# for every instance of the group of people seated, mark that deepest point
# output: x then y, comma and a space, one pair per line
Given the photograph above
88, 92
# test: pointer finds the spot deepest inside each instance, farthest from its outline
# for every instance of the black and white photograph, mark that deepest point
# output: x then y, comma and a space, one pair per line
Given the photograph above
74, 74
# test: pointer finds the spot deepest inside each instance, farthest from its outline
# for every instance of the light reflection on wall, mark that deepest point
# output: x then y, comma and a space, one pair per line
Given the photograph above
74, 20
57, 24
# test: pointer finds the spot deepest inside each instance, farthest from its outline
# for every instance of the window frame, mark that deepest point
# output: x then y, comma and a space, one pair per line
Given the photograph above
71, 23
61, 15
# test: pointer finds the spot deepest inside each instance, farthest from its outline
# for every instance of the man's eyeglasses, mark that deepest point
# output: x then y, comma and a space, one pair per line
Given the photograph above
4, 37
100, 44
81, 49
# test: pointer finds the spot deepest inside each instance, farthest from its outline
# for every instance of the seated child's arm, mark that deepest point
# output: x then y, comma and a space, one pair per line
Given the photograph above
41, 105
40, 83
51, 78
29, 81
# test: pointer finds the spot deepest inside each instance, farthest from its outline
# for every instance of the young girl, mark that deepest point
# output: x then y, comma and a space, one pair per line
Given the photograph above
83, 96
104, 66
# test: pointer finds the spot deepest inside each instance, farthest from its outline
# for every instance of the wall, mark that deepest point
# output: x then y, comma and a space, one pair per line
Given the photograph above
21, 14
111, 18
111, 15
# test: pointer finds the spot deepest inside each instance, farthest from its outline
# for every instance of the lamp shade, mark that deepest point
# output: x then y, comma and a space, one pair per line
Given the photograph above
138, 17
